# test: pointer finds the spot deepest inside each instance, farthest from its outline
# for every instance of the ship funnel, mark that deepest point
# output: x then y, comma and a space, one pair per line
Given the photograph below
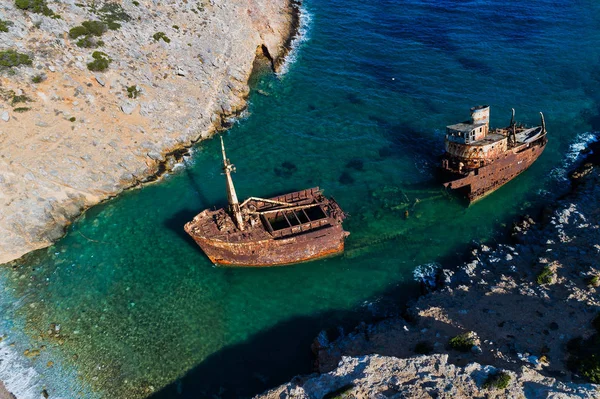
543, 123
480, 114
234, 205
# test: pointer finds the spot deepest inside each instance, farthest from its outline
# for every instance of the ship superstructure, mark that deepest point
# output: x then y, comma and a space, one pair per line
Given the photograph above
478, 160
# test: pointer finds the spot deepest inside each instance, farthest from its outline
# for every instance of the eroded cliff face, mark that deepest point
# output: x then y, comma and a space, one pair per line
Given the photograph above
530, 308
71, 137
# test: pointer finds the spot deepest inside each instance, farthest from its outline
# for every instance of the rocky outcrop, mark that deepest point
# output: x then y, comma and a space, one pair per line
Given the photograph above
521, 308
71, 137
378, 377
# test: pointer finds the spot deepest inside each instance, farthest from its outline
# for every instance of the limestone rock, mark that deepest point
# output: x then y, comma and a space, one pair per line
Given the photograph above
174, 84
128, 107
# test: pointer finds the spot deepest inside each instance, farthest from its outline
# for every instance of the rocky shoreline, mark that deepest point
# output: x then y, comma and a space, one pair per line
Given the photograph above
523, 309
72, 137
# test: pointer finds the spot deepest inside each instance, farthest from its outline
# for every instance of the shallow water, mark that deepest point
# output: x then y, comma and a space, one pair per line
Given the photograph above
360, 112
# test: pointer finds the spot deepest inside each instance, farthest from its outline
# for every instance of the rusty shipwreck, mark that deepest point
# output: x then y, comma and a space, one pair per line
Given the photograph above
291, 228
479, 160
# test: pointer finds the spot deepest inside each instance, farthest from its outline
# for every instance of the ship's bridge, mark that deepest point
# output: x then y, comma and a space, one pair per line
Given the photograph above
466, 133
471, 131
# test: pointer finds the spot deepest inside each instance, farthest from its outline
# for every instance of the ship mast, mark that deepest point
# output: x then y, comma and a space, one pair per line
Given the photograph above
234, 205
543, 123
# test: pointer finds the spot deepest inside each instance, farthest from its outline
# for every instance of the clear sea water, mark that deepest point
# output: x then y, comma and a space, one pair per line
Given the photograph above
360, 112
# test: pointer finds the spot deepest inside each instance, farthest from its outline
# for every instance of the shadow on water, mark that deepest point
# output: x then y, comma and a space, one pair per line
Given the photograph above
276, 355
195, 185
272, 357
405, 139
178, 220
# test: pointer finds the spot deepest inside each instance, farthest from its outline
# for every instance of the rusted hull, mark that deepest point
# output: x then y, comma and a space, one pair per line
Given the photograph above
482, 181
309, 246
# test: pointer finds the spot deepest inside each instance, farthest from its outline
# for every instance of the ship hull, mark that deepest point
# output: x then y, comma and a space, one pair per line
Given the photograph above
483, 181
315, 244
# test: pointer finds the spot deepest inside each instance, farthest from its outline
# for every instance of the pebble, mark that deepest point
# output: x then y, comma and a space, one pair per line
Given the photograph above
5, 116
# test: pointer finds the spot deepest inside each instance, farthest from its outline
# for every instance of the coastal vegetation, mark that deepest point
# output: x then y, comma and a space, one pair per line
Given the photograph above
133, 91
546, 276
100, 63
19, 99
585, 354
161, 35
497, 381
113, 15
4, 25
88, 31
462, 342
37, 7
38, 79
12, 58
96, 28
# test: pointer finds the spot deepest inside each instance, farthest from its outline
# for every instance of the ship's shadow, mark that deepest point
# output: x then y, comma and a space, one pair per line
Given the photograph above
178, 220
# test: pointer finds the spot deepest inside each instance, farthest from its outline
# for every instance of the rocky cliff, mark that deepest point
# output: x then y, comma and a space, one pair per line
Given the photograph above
380, 377
527, 312
94, 95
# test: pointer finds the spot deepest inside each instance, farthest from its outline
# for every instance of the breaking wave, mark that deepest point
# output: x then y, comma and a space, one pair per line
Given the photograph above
573, 155
426, 273
20, 380
301, 37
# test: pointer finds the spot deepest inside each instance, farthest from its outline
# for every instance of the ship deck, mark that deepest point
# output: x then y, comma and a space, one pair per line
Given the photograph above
306, 211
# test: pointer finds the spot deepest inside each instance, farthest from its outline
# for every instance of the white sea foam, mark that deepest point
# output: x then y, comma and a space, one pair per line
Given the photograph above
427, 273
301, 37
21, 380
582, 140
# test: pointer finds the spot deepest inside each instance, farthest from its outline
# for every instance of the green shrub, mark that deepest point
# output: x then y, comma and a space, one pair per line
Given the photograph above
176, 27
584, 355
72, 119
133, 92
100, 63
545, 276
497, 381
4, 25
135, 3
36, 6
423, 348
77, 31
161, 35
89, 42
38, 79
463, 342
21, 109
594, 281
590, 368
111, 13
20, 99
96, 28
10, 58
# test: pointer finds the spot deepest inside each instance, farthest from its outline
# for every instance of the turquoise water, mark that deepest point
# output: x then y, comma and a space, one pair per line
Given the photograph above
361, 113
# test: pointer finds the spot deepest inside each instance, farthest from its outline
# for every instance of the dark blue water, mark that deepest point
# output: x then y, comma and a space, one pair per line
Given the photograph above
361, 113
